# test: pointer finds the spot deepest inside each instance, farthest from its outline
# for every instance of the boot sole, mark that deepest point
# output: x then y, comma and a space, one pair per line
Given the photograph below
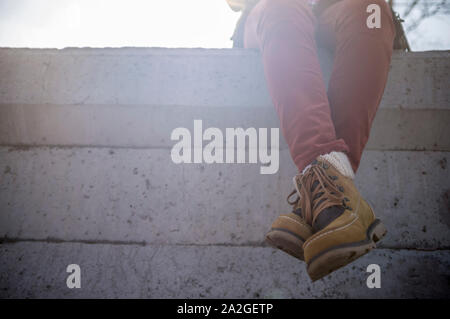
341, 255
286, 241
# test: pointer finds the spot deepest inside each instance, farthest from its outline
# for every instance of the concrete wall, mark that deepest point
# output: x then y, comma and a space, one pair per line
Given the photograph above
86, 177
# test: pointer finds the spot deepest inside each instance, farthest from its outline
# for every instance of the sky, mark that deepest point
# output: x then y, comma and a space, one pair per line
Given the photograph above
147, 23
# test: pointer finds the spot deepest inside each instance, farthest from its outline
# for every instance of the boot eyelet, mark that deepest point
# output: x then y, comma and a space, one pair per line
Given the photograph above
345, 206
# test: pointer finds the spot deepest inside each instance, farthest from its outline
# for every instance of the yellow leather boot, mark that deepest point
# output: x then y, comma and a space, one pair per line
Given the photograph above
290, 231
344, 225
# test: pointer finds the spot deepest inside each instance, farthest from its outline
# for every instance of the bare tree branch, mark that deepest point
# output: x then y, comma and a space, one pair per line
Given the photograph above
410, 8
426, 8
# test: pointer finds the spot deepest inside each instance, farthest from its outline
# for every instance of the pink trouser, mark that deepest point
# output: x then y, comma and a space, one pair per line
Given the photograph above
314, 121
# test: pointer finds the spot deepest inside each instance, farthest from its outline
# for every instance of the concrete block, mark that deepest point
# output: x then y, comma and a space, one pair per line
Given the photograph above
140, 195
151, 126
186, 77
38, 270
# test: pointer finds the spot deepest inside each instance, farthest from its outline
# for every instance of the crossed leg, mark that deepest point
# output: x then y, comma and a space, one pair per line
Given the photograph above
314, 121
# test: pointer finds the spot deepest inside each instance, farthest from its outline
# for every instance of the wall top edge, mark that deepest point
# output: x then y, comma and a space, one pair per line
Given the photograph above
183, 51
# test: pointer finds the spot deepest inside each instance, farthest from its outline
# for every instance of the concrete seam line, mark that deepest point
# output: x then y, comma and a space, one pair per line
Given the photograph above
7, 240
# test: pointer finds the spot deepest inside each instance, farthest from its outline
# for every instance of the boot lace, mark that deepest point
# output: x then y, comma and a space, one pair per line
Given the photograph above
318, 191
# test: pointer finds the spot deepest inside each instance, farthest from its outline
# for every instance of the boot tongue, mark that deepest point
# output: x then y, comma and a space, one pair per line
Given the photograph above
326, 216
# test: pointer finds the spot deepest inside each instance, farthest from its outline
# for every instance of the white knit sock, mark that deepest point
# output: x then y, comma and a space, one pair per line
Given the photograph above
341, 162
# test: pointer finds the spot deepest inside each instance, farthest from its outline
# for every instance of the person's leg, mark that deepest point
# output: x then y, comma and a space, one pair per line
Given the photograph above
284, 32
343, 223
361, 64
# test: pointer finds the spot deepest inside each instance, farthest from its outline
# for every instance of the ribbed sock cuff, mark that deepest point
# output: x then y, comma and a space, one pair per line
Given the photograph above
341, 162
